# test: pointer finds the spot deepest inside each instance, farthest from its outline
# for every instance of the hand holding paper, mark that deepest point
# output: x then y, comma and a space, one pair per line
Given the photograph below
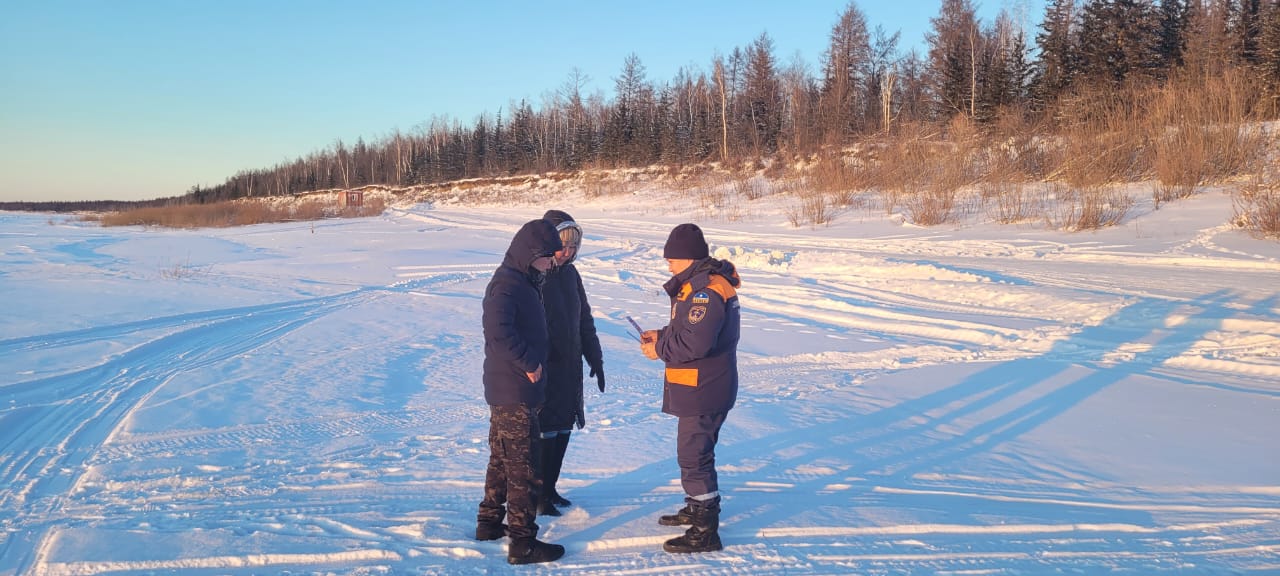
635, 325
649, 344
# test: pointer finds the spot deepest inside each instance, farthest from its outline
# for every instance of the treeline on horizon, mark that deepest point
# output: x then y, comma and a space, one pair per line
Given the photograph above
90, 205
750, 106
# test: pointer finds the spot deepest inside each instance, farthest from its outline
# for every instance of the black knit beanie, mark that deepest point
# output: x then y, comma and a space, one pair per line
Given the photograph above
685, 243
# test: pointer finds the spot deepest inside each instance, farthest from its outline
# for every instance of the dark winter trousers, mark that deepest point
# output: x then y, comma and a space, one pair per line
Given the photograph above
511, 478
696, 438
554, 446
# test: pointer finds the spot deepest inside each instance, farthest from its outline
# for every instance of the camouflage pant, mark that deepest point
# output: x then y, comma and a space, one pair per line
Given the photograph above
511, 478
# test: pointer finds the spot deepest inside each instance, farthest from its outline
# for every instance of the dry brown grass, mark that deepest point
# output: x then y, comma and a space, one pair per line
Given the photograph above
601, 183
1078, 209
741, 181
751, 187
1257, 205
1181, 165
238, 213
1009, 202
1099, 150
903, 166
1015, 151
932, 206
310, 210
692, 178
1200, 134
180, 270
832, 171
1179, 135
811, 206
775, 170
842, 176
811, 211
932, 176
1091, 160
594, 184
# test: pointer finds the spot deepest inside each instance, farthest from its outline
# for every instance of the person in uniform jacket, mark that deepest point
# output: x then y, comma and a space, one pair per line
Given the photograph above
700, 349
573, 338
515, 356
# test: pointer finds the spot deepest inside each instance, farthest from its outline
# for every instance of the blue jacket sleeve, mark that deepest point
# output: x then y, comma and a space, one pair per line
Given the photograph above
500, 321
693, 330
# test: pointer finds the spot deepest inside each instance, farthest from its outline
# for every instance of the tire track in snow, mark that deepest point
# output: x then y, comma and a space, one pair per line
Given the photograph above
80, 411
83, 408
87, 335
288, 436
343, 516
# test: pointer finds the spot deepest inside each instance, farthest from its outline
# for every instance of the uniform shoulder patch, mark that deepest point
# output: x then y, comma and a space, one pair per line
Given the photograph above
697, 313
701, 298
684, 292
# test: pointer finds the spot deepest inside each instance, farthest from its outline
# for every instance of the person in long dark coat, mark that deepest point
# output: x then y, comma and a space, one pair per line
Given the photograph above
515, 358
573, 338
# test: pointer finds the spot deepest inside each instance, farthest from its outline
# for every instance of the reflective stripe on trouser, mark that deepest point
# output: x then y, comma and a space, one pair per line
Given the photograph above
696, 438
511, 477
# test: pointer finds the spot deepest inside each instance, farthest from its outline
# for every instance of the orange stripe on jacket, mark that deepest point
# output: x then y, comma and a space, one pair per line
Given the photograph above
683, 376
715, 282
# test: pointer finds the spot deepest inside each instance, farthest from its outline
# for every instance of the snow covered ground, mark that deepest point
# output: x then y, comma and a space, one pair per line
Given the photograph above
979, 399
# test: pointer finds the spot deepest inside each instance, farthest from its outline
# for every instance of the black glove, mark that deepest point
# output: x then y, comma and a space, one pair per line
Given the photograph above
597, 371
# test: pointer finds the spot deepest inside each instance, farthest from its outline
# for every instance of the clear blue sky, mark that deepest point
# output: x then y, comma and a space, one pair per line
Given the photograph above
140, 99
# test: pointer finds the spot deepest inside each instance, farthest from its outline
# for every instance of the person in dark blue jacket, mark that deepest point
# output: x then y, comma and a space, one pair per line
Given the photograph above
700, 349
573, 338
515, 355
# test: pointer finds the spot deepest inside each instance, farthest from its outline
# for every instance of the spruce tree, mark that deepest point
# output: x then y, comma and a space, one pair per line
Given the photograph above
1004, 71
844, 70
1246, 27
1174, 16
763, 109
954, 58
1268, 58
1119, 40
1058, 63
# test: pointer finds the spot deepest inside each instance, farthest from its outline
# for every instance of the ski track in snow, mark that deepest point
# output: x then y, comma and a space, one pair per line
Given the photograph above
1038, 339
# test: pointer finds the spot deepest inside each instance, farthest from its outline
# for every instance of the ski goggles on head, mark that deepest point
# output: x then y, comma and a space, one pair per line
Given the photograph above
570, 234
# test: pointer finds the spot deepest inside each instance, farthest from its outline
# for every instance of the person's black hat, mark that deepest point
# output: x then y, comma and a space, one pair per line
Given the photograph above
685, 243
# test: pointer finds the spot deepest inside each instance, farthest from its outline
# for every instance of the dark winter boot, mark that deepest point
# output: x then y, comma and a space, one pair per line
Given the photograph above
555, 498
703, 535
548, 470
490, 530
682, 518
489, 524
532, 551
553, 473
543, 451
546, 508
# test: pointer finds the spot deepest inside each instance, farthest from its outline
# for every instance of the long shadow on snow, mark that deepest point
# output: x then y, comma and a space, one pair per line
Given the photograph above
1264, 309
913, 436
924, 441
